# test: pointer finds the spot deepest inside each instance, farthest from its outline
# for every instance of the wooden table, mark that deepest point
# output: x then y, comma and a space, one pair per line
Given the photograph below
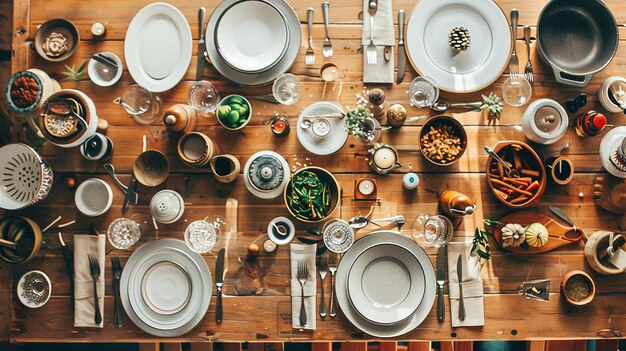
266, 317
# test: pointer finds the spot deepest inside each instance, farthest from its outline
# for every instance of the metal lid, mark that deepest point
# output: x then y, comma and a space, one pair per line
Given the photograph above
266, 174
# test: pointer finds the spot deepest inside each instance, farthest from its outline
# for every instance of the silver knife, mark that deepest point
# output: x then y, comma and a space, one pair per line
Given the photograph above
219, 281
442, 267
401, 52
129, 193
200, 54
134, 197
562, 215
459, 273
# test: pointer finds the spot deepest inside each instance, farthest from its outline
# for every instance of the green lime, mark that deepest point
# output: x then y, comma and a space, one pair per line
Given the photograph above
235, 106
223, 111
233, 117
243, 110
235, 100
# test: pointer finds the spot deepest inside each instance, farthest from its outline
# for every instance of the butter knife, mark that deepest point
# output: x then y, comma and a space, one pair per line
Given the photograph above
219, 281
129, 193
459, 274
200, 54
442, 267
401, 51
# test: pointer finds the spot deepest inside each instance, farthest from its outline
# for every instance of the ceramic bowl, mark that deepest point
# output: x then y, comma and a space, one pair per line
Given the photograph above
90, 118
196, 149
567, 286
333, 186
151, 168
457, 129
224, 102
93, 197
102, 75
59, 26
25, 233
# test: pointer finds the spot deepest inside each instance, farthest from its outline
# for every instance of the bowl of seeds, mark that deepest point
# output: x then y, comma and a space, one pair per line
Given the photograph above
312, 194
442, 140
577, 288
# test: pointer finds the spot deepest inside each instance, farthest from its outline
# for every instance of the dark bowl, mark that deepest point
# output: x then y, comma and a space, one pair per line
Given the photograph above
60, 26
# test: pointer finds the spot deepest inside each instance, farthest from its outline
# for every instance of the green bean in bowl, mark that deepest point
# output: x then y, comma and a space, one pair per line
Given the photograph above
312, 194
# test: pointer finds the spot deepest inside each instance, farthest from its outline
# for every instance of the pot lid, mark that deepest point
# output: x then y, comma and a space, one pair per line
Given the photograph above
548, 119
167, 206
266, 174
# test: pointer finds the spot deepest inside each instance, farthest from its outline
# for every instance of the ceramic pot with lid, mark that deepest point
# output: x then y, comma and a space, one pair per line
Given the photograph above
266, 174
545, 121
383, 158
613, 152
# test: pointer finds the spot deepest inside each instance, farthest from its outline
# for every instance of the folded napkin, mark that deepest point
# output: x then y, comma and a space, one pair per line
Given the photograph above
84, 310
384, 35
472, 286
303, 252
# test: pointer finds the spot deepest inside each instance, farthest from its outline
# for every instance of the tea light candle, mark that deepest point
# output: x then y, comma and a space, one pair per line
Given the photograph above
280, 126
98, 29
385, 157
366, 187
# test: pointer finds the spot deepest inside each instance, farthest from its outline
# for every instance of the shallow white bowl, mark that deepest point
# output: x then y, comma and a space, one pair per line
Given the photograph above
93, 197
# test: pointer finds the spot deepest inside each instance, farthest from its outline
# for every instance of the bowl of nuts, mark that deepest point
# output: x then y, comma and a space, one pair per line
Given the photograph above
442, 140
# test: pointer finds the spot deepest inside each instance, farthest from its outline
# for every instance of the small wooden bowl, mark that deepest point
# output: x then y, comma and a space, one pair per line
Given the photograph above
32, 237
457, 129
63, 27
534, 163
333, 187
151, 168
578, 275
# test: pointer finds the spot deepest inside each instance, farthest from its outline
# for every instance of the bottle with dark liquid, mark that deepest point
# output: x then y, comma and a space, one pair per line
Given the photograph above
590, 124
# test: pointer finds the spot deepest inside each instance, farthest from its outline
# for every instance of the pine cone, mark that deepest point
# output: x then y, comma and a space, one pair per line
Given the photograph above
459, 39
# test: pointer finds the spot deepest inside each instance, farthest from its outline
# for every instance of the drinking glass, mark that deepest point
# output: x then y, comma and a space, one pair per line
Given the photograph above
123, 233
140, 103
423, 92
287, 89
203, 97
516, 91
201, 235
436, 230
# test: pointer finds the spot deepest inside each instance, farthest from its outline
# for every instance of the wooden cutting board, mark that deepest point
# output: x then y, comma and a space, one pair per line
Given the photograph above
559, 234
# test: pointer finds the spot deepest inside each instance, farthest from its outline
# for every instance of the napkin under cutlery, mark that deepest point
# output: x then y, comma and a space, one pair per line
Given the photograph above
384, 36
306, 252
472, 286
84, 310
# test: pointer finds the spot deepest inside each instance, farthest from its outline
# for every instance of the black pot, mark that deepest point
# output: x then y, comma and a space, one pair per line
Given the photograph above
577, 38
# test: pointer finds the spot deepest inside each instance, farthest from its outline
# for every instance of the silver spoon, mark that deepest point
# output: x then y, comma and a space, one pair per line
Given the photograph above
442, 105
358, 222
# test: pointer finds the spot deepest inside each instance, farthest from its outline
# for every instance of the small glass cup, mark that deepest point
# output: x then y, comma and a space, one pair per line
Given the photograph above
201, 235
287, 89
123, 233
423, 92
140, 103
203, 97
516, 91
436, 230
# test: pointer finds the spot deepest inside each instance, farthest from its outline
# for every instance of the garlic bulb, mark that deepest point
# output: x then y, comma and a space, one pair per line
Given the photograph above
536, 235
513, 235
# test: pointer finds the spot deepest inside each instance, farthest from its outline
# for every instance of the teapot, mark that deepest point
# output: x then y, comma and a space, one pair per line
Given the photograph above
383, 158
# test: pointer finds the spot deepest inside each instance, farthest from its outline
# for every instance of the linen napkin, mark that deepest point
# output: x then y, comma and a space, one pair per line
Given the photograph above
303, 252
472, 286
384, 35
84, 310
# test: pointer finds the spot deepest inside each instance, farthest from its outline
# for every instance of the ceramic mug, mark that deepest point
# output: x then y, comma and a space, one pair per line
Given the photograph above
196, 149
225, 168
93, 197
321, 128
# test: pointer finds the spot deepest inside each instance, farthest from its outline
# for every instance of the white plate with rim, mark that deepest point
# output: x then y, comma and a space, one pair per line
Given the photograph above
333, 141
466, 71
386, 284
252, 36
158, 46
262, 78
341, 291
166, 288
199, 265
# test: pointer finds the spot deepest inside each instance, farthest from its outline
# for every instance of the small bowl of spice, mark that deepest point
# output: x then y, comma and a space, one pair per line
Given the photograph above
24, 91
577, 288
56, 39
442, 140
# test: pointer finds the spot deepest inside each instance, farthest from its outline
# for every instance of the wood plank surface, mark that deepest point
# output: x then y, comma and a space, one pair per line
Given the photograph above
254, 306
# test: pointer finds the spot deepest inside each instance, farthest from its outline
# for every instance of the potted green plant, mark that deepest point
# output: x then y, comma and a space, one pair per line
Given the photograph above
361, 123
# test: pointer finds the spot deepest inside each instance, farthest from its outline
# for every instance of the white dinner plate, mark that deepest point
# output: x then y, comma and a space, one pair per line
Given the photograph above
335, 139
157, 47
386, 284
461, 72
252, 36
166, 288
341, 278
200, 277
247, 78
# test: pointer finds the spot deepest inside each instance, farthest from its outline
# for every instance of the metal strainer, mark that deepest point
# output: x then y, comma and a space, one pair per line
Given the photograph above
25, 177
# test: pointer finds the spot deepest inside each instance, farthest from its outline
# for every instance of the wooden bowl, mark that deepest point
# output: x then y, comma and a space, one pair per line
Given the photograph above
457, 130
30, 239
333, 187
571, 278
534, 164
60, 26
151, 168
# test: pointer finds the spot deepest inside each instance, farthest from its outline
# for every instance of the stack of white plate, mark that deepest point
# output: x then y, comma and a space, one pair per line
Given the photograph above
385, 284
166, 288
252, 42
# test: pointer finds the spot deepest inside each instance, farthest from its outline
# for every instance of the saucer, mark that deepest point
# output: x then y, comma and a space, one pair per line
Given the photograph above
333, 140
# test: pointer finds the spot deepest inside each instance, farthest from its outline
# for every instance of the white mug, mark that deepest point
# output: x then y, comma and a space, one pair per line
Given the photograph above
93, 197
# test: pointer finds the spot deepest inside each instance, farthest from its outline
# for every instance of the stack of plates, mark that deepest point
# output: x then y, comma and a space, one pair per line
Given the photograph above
165, 288
252, 42
385, 284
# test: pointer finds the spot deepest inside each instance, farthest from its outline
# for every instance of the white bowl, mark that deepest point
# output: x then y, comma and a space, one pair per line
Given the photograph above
93, 197
100, 77
167, 206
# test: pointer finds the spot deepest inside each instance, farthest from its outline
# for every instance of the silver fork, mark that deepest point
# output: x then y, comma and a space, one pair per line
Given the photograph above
528, 72
514, 62
327, 49
332, 268
371, 52
322, 263
309, 57
303, 273
94, 269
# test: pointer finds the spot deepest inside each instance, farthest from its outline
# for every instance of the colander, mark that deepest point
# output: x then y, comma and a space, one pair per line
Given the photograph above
25, 178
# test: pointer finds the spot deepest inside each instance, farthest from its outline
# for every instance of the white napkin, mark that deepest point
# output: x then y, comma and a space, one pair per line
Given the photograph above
84, 310
472, 286
303, 252
384, 35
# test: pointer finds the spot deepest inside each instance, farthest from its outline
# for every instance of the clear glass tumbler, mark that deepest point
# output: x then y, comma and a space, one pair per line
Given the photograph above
140, 103
204, 97
287, 89
436, 230
123, 233
423, 92
201, 235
